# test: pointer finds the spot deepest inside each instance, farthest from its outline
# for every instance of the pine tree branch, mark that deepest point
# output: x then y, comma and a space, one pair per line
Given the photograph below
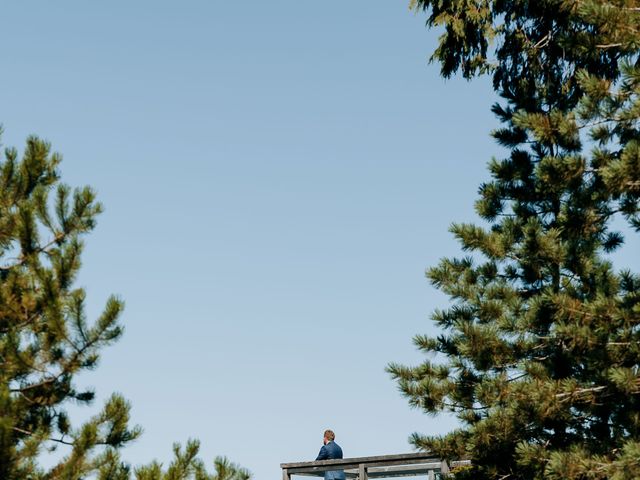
57, 440
517, 377
20, 325
609, 45
42, 249
65, 368
41, 383
580, 391
543, 42
454, 406
24, 363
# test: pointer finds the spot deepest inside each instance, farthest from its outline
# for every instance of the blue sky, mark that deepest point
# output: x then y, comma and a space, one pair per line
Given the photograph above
276, 177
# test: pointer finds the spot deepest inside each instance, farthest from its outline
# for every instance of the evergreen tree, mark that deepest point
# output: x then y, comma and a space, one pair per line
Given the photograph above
539, 353
185, 466
46, 339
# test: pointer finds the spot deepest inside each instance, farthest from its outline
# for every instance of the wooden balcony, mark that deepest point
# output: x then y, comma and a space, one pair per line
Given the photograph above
386, 466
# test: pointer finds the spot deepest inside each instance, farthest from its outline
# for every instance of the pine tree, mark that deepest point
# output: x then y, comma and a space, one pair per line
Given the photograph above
539, 353
46, 338
187, 465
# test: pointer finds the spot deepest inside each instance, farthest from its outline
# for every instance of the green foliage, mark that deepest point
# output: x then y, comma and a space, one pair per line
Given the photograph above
46, 339
539, 353
186, 465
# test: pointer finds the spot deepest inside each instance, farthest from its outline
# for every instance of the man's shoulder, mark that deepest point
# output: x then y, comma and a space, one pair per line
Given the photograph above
333, 446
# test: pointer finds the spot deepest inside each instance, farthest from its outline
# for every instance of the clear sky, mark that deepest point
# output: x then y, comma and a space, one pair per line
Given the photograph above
276, 177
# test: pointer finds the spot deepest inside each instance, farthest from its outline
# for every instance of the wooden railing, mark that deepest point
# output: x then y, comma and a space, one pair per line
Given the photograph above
363, 468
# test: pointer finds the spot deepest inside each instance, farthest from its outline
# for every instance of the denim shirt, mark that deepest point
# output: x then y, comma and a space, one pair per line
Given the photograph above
331, 451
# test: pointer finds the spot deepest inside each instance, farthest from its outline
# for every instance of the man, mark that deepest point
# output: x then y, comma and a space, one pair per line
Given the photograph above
330, 451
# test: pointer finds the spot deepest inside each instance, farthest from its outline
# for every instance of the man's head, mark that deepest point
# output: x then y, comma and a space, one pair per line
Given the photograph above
329, 436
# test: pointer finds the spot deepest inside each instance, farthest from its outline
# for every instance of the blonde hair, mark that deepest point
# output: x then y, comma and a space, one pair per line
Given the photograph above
329, 435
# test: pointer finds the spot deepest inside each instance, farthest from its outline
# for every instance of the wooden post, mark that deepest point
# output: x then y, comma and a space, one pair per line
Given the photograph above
444, 468
285, 474
362, 472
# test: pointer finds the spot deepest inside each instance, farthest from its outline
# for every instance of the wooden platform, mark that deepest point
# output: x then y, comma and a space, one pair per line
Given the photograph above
386, 466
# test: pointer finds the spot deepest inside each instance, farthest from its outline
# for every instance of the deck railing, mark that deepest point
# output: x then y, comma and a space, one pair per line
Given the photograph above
363, 468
